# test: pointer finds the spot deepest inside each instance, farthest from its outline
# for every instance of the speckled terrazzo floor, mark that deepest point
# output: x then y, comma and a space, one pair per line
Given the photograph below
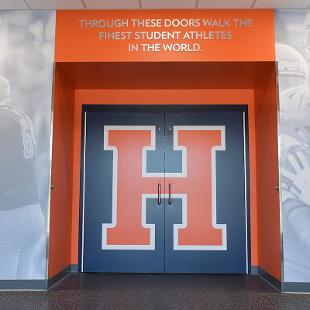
159, 291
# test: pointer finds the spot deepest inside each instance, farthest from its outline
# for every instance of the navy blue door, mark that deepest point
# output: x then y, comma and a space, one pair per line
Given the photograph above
205, 219
164, 190
123, 223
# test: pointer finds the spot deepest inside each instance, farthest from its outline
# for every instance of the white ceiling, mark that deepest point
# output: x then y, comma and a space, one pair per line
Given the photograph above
151, 4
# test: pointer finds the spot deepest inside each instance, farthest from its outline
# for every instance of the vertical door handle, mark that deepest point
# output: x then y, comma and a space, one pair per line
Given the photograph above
159, 194
169, 198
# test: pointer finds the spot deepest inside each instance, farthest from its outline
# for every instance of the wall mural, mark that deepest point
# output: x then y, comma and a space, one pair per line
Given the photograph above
293, 55
26, 78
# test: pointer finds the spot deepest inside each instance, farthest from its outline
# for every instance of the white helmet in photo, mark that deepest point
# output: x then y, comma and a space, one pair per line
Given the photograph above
292, 67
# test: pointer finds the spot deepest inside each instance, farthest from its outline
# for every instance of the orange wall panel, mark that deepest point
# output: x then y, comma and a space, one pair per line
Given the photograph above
257, 92
246, 42
62, 171
267, 175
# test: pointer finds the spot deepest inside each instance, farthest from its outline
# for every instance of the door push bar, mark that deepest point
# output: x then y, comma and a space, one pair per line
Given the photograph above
159, 194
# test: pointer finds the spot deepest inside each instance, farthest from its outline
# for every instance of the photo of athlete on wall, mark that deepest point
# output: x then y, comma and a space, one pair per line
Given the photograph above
294, 91
19, 199
26, 76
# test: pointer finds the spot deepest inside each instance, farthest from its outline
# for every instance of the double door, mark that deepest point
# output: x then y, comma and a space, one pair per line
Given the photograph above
164, 189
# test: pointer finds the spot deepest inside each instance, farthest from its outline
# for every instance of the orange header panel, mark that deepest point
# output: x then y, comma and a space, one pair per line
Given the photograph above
174, 35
